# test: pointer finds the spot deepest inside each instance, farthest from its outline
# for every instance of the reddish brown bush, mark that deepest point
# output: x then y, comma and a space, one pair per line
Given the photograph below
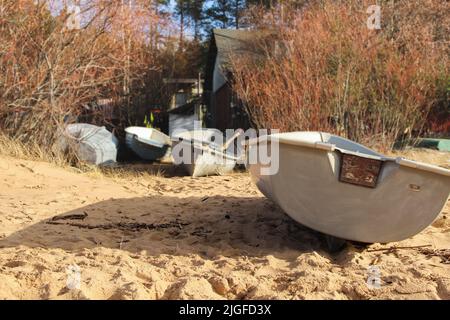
49, 72
334, 74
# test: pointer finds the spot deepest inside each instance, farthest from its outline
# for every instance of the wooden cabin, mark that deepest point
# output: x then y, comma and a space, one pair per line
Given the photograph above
224, 110
186, 105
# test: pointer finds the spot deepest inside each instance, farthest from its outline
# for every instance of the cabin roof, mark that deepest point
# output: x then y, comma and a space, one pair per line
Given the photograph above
227, 42
233, 41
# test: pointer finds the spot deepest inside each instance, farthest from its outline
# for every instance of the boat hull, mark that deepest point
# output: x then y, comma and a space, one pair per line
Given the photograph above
146, 151
148, 143
308, 188
92, 144
204, 162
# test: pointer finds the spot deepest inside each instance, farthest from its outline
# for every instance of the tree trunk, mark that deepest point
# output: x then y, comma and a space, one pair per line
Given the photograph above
236, 13
181, 28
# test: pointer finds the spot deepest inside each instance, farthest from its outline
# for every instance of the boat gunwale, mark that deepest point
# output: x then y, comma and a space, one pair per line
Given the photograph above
329, 147
205, 147
129, 131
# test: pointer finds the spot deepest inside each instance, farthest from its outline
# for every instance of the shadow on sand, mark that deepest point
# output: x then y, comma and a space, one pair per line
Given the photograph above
209, 226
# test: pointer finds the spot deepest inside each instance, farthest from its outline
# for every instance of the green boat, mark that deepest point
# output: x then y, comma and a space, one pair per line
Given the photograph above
437, 144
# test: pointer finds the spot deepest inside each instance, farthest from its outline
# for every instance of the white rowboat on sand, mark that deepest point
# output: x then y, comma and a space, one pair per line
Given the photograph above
205, 157
343, 189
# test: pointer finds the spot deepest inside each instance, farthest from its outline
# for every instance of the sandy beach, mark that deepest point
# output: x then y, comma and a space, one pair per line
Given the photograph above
152, 236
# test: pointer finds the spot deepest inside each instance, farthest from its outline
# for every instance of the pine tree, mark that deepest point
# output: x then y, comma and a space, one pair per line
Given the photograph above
219, 14
181, 10
197, 16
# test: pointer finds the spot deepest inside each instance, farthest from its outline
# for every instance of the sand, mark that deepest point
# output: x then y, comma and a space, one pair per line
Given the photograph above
69, 235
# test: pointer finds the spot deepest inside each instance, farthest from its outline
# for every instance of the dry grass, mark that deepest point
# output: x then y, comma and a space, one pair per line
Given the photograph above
30, 151
128, 172
438, 158
15, 148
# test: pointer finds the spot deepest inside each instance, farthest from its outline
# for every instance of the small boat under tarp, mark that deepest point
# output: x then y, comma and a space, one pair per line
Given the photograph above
149, 144
205, 158
91, 143
343, 189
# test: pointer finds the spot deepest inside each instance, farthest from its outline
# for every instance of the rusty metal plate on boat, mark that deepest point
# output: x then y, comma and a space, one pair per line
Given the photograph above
359, 170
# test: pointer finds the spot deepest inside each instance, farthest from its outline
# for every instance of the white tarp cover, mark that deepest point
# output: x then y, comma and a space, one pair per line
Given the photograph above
93, 144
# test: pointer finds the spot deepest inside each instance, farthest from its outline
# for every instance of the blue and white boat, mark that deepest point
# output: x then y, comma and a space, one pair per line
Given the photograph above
149, 144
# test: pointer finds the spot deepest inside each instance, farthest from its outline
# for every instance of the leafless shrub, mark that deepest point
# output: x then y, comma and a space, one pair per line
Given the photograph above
49, 73
335, 74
